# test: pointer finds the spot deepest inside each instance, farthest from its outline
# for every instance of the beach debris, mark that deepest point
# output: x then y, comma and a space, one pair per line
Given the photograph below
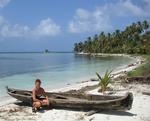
146, 93
13, 112
139, 79
91, 119
94, 79
91, 112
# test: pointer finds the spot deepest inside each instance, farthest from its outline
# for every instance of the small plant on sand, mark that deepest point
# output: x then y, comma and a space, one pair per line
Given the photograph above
104, 81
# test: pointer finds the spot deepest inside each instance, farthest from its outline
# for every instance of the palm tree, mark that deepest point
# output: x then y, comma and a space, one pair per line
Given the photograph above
133, 39
76, 47
80, 47
145, 25
139, 27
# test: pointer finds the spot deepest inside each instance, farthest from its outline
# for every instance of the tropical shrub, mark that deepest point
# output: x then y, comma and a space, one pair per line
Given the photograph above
104, 81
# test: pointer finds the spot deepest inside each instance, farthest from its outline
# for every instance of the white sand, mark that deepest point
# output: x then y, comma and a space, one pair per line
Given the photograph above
140, 110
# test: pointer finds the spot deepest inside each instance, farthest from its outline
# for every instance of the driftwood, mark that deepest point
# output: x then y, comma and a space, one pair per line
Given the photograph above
78, 101
89, 113
94, 79
146, 93
140, 79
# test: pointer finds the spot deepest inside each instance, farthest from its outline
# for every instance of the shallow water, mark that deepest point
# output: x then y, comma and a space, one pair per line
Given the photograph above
54, 69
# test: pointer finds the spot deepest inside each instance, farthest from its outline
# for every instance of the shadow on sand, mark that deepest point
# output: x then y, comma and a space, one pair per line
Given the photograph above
119, 113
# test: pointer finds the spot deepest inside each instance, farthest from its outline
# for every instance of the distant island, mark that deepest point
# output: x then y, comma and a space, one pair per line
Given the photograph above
134, 39
48, 51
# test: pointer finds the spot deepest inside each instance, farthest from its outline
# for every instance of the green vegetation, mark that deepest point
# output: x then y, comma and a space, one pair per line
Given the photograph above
135, 39
143, 70
104, 81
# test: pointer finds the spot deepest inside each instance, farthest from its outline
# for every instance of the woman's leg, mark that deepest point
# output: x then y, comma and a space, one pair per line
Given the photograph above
45, 102
36, 104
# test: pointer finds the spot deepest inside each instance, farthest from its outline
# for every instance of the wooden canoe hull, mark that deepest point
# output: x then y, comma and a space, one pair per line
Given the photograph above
78, 101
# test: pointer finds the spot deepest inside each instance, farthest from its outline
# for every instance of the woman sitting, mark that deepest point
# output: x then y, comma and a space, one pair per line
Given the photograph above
39, 96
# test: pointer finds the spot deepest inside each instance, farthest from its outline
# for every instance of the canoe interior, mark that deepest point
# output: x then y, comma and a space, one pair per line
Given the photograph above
62, 95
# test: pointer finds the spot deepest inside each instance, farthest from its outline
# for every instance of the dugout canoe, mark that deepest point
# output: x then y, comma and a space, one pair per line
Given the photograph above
78, 101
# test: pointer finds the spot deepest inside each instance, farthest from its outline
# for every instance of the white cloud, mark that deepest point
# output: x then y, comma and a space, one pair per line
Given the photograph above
46, 28
2, 20
3, 3
14, 31
85, 21
100, 18
130, 7
127, 8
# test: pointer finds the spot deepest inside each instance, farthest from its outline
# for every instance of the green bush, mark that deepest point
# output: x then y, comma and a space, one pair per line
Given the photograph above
104, 81
143, 70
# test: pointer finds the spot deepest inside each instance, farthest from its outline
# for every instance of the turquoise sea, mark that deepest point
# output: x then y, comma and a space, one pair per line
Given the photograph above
19, 70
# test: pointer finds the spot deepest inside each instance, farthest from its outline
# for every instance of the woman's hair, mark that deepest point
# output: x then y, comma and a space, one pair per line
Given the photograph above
38, 80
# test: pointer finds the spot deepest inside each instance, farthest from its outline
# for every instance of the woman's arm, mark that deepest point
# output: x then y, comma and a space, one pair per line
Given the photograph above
44, 93
34, 97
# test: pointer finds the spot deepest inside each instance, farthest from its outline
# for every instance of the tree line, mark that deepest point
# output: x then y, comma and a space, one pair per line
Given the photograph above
134, 39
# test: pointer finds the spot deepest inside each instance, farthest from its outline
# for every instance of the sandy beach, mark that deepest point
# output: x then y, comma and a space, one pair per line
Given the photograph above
90, 64
140, 109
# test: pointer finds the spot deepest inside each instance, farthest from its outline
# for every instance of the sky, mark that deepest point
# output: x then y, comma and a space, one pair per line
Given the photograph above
36, 25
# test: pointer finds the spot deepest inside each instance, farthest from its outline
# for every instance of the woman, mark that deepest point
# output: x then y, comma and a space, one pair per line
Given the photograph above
38, 95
